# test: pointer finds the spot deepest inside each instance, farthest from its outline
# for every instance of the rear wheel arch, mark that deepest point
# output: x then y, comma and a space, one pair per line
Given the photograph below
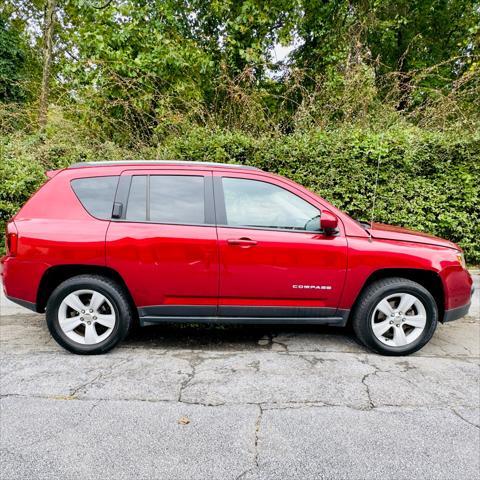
54, 276
427, 278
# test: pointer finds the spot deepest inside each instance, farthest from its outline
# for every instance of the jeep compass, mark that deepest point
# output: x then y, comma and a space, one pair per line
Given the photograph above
104, 245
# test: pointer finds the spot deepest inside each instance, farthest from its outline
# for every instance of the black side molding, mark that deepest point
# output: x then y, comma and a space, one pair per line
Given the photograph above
178, 311
274, 312
242, 315
30, 305
333, 321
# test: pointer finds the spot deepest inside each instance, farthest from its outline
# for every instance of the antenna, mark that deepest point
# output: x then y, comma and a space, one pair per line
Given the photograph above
375, 193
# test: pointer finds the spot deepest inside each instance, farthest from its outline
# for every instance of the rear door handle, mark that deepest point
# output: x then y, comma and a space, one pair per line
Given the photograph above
242, 242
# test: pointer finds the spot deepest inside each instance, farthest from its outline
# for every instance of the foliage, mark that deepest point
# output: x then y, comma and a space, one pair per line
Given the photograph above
137, 71
395, 82
15, 61
427, 180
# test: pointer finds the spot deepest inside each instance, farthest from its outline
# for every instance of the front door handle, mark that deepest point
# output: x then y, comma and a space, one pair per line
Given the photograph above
242, 242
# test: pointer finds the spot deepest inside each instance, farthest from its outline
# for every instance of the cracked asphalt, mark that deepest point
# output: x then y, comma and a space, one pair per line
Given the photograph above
238, 402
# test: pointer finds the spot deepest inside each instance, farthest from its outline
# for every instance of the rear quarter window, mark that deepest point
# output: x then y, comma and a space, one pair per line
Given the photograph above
96, 194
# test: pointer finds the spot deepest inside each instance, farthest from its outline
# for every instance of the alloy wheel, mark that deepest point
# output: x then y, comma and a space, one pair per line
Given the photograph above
399, 319
86, 317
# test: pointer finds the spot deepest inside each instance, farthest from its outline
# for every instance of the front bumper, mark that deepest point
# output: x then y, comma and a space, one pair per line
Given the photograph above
459, 312
456, 313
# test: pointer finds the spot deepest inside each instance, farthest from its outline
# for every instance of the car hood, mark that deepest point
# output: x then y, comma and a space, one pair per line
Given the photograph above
391, 232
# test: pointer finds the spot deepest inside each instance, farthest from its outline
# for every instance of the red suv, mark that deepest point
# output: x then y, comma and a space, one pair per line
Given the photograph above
102, 245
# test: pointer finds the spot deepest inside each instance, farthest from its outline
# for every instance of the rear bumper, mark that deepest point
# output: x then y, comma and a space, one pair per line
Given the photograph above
21, 280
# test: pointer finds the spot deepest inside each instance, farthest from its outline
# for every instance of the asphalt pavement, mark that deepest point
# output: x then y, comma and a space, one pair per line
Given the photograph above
238, 402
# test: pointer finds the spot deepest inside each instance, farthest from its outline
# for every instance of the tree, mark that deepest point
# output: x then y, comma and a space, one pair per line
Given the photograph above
48, 28
432, 40
13, 64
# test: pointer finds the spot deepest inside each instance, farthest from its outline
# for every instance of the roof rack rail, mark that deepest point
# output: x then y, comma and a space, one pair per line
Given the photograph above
158, 162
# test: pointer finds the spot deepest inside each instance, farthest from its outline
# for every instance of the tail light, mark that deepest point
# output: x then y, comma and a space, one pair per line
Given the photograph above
11, 239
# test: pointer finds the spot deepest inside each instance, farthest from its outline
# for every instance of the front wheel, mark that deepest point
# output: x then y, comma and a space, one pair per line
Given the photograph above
88, 314
395, 316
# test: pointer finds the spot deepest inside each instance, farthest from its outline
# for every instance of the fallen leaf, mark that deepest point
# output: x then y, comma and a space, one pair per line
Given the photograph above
183, 420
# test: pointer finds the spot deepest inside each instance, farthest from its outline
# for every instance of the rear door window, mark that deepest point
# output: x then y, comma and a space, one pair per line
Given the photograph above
172, 199
177, 199
96, 194
137, 199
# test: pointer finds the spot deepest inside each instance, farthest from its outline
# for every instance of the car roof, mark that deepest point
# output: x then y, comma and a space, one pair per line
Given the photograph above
160, 163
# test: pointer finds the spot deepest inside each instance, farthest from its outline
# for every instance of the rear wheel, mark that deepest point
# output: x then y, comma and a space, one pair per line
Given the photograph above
395, 316
88, 314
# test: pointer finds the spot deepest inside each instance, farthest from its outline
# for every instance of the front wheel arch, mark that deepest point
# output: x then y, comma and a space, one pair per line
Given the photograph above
427, 278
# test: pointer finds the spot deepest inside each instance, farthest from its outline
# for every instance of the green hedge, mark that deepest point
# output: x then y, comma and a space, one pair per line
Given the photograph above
427, 180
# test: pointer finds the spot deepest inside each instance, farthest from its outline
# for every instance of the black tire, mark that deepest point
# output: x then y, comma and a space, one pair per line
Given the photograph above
370, 298
109, 289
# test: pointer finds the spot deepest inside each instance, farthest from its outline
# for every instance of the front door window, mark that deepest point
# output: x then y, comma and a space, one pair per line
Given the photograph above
257, 204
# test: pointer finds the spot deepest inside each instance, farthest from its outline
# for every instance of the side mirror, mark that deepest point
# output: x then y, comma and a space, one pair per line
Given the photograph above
328, 221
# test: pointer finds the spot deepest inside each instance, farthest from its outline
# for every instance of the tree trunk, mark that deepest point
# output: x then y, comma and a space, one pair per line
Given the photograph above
404, 76
48, 27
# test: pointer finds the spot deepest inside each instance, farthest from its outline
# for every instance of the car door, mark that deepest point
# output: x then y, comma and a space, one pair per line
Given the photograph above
163, 241
273, 261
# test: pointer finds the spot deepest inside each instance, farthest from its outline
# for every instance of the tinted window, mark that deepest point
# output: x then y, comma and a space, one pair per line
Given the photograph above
137, 200
96, 194
177, 199
253, 203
